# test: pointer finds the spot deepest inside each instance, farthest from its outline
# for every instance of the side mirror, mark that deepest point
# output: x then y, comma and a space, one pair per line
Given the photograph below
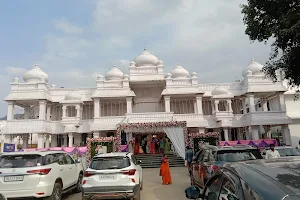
139, 162
77, 161
193, 192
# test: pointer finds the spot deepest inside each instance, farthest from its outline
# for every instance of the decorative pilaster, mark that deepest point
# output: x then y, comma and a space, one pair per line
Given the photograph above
129, 104
167, 103
251, 103
282, 105
229, 105
78, 111
70, 139
254, 132
216, 106
199, 104
65, 144
47, 142
48, 112
42, 109
53, 140
25, 141
40, 140
64, 109
226, 136
10, 110
244, 105
97, 111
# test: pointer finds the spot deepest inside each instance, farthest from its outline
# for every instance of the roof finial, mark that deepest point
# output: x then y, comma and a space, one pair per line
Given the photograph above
36, 66
177, 63
252, 59
145, 48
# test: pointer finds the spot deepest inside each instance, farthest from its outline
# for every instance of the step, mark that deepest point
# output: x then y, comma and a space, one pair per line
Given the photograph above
154, 160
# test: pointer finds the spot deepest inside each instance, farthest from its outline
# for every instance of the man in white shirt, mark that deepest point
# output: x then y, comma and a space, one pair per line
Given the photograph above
272, 153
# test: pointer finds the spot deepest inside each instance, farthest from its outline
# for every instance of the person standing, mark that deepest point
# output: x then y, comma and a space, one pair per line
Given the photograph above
272, 153
162, 145
189, 158
165, 172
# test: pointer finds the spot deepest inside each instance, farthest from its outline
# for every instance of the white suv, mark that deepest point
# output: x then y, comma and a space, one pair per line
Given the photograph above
39, 174
113, 175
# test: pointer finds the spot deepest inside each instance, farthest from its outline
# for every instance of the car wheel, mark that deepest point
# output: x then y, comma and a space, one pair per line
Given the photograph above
56, 193
79, 184
137, 194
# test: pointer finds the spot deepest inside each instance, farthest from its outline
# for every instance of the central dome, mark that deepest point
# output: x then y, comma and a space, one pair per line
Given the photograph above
114, 74
179, 72
254, 67
146, 59
35, 75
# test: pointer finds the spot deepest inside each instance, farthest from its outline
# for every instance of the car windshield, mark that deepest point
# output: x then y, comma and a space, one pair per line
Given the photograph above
288, 152
20, 161
233, 155
103, 163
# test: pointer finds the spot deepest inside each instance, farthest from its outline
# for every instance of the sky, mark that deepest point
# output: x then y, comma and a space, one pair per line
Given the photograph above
73, 41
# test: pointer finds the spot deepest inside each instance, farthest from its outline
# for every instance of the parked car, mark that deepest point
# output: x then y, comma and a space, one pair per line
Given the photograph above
284, 151
209, 158
113, 175
39, 174
259, 180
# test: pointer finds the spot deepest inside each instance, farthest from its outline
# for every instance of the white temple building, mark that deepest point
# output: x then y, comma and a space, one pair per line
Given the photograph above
253, 108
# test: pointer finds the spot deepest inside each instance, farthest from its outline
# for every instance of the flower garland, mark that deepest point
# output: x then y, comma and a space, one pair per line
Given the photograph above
155, 127
114, 140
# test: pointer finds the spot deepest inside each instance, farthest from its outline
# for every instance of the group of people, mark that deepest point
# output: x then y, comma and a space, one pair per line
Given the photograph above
150, 145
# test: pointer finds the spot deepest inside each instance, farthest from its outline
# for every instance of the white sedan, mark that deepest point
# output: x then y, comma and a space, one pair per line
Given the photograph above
113, 175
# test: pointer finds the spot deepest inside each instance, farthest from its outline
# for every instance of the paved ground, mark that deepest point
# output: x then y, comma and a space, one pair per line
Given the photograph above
154, 190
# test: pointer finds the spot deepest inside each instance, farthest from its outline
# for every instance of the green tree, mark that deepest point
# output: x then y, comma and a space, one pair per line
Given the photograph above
280, 21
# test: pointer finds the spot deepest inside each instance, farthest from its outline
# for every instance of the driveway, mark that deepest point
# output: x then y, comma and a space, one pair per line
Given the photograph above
154, 190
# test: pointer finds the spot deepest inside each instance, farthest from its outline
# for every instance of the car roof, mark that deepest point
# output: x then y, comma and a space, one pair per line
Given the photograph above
42, 153
269, 177
218, 148
284, 147
113, 154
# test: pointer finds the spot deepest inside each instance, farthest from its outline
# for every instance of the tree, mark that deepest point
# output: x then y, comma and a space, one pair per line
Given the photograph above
279, 20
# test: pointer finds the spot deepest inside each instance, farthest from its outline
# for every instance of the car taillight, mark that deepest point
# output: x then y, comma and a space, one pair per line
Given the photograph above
130, 172
88, 173
40, 171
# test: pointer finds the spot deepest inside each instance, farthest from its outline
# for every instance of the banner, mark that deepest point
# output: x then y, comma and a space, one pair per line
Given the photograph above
9, 147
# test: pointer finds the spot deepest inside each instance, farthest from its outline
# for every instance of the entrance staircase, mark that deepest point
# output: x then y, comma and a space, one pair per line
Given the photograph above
154, 160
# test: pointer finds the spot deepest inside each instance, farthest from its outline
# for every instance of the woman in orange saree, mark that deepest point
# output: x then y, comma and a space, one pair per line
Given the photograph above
165, 172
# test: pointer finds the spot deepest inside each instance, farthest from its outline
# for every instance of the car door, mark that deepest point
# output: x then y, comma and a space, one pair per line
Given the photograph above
63, 169
231, 188
195, 167
72, 170
138, 167
212, 188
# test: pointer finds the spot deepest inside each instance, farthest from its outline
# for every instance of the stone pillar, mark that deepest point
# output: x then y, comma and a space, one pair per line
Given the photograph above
70, 139
25, 141
78, 114
199, 104
282, 105
64, 113
254, 132
42, 109
65, 144
251, 103
96, 135
54, 140
226, 137
129, 104
244, 106
48, 112
10, 110
286, 135
97, 111
40, 140
47, 141
265, 105
195, 107
216, 106
167, 103
229, 105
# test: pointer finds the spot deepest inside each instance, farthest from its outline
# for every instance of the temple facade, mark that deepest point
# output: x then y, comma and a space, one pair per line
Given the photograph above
253, 108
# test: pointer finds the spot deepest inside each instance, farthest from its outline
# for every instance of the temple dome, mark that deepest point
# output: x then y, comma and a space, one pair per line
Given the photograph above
254, 67
35, 75
146, 59
219, 91
73, 96
179, 72
114, 74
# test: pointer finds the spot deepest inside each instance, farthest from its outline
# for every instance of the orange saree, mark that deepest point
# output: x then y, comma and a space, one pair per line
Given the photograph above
165, 173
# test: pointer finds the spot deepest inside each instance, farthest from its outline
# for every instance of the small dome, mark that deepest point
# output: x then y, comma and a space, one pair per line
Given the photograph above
114, 74
219, 91
179, 72
35, 75
254, 67
73, 96
146, 59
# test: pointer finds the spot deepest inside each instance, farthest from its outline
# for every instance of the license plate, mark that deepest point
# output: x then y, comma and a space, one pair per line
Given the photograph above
110, 177
13, 178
